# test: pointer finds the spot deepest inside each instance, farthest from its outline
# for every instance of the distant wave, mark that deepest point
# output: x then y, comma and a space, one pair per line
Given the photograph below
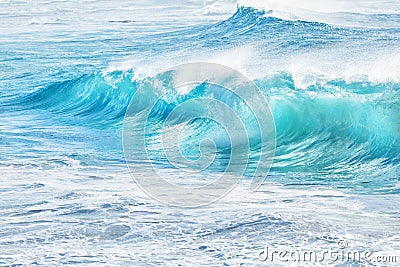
344, 13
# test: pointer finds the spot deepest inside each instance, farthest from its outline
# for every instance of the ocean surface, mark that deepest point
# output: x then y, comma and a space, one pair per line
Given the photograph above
329, 70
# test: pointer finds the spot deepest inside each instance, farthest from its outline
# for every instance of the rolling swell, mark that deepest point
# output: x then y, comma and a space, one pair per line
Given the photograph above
331, 127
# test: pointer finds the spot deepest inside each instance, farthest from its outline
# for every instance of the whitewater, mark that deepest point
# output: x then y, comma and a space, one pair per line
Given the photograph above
329, 72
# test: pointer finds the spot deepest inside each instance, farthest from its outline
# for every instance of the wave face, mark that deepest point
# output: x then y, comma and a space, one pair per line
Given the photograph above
332, 130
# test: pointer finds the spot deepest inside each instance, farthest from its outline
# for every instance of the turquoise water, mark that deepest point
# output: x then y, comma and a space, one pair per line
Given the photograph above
70, 69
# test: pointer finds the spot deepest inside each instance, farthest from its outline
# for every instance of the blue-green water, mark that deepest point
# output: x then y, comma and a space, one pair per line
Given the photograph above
70, 69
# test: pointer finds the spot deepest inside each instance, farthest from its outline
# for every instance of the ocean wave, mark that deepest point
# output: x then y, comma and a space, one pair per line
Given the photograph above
349, 14
328, 126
